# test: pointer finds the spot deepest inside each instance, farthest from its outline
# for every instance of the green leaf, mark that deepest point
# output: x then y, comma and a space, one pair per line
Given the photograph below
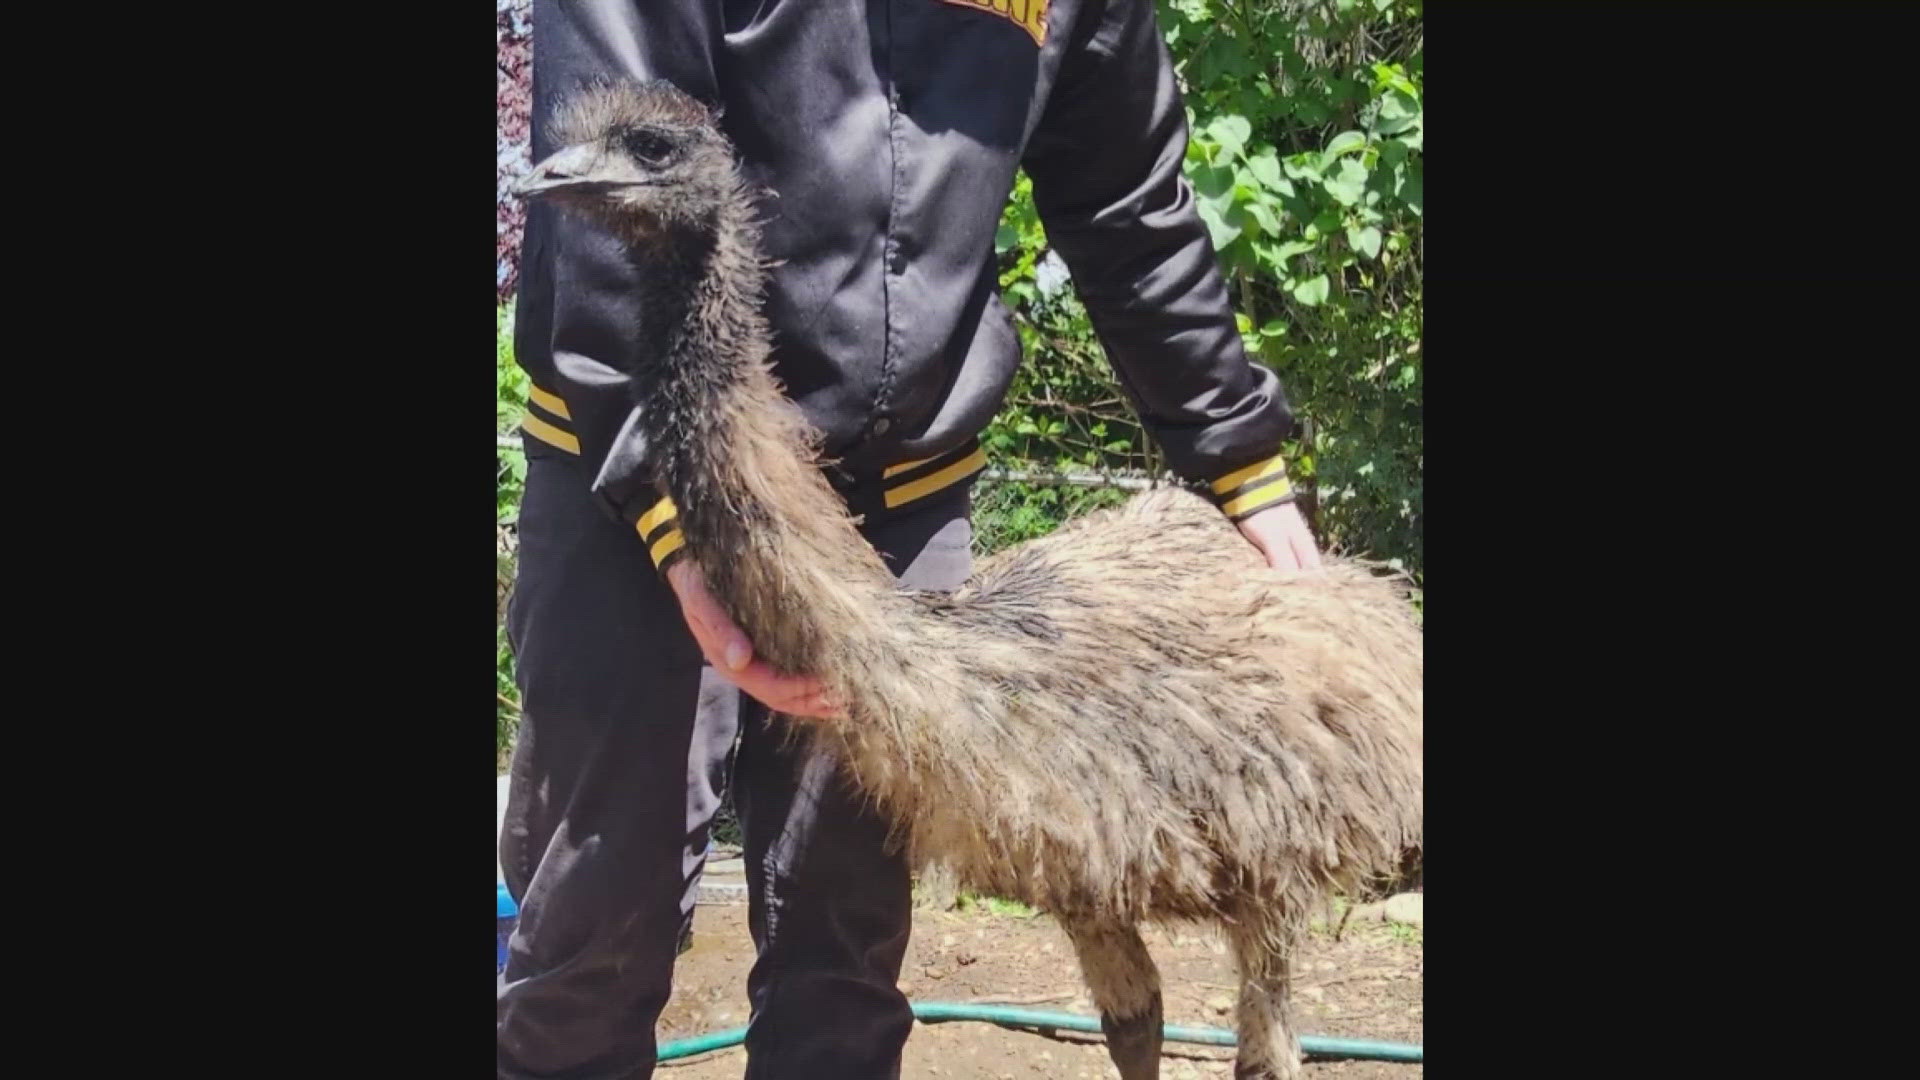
1342, 143
1224, 59
1366, 241
1291, 248
1231, 132
1394, 75
1349, 184
1312, 291
1005, 239
1222, 231
1291, 61
1398, 113
1214, 185
1265, 167
1264, 215
1301, 167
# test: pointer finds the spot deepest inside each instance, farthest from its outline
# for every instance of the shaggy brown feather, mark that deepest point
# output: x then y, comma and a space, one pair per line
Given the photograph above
1130, 719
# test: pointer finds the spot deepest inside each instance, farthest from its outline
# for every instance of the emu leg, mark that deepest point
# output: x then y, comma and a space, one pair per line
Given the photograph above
1269, 1048
1126, 989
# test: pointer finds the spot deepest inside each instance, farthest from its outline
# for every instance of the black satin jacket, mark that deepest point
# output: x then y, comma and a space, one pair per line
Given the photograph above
890, 132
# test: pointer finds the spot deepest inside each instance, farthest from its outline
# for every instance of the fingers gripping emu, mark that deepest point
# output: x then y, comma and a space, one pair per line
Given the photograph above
1132, 719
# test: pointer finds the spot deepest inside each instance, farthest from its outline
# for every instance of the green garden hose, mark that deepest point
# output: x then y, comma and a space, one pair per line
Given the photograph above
1313, 1046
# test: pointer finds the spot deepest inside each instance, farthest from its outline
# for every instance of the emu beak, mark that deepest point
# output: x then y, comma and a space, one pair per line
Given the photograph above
575, 168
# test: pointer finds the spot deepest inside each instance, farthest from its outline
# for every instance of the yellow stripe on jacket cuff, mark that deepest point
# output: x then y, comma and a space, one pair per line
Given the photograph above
1250, 489
659, 529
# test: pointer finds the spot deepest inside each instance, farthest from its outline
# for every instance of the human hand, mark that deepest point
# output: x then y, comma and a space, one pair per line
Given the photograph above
1281, 534
726, 647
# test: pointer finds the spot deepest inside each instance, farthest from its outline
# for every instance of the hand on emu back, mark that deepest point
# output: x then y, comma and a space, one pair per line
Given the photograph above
1282, 535
726, 647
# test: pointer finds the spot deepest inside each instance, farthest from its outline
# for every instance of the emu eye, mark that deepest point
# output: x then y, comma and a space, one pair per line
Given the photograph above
647, 147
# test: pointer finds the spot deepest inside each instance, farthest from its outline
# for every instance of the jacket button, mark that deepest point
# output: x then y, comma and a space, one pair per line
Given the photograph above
881, 425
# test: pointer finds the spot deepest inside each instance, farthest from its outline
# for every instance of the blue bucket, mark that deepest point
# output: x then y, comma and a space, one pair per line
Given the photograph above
508, 914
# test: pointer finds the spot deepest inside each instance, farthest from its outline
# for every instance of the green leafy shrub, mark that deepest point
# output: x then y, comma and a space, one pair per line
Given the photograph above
510, 477
1308, 125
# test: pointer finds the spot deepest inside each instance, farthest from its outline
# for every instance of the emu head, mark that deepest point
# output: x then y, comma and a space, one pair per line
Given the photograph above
640, 158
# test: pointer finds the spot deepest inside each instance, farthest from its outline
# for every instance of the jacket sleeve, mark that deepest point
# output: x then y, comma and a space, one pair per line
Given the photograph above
1105, 160
586, 314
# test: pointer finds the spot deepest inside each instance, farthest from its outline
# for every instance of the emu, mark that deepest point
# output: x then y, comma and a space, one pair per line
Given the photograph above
1131, 719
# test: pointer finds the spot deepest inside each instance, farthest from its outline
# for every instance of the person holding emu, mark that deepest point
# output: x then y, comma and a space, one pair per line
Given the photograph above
886, 134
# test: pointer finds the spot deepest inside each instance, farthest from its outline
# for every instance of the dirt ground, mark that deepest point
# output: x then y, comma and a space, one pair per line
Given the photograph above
1366, 985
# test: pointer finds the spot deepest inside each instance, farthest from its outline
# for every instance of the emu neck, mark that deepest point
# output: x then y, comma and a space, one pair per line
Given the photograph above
775, 543
780, 552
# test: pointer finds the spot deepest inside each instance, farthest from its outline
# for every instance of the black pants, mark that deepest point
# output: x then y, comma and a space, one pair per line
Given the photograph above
625, 733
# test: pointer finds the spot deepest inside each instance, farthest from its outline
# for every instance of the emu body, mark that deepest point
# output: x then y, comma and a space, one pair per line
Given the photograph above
1132, 719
